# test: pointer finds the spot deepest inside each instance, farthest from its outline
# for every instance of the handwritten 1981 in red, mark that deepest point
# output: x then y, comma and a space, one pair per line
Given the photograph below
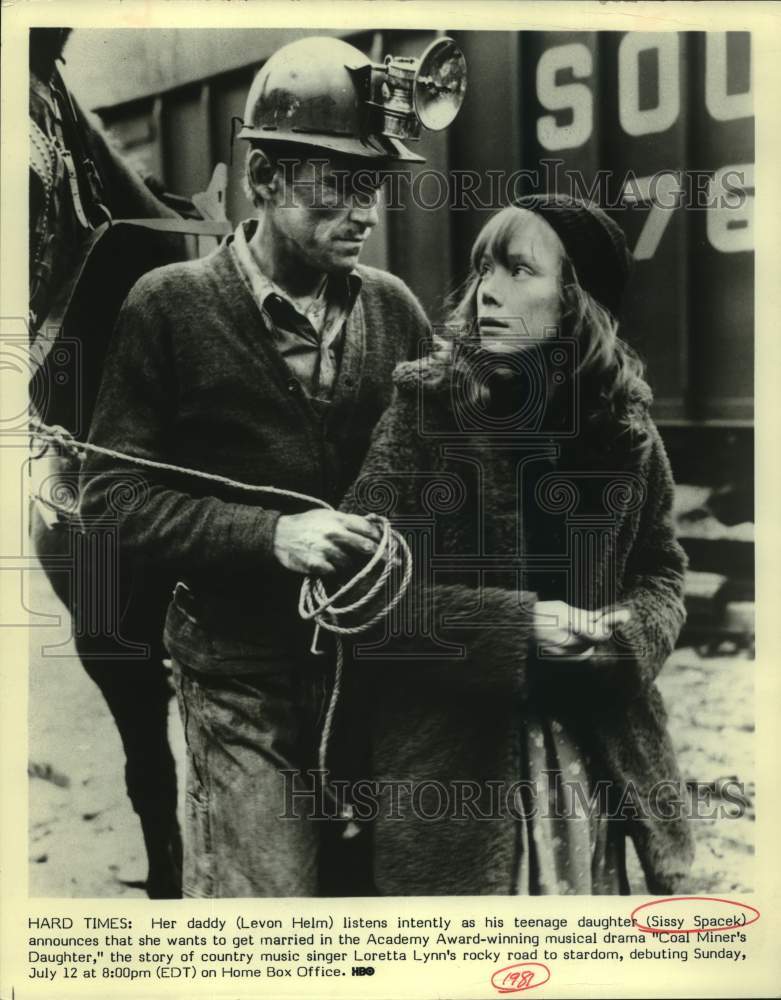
521, 976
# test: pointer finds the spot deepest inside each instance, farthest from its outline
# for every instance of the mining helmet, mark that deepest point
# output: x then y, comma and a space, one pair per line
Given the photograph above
324, 92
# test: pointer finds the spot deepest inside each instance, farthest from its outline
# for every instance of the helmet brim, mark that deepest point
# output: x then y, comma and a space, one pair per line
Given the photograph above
375, 147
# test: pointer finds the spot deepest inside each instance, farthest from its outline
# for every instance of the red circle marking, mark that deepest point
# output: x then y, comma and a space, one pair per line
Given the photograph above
694, 930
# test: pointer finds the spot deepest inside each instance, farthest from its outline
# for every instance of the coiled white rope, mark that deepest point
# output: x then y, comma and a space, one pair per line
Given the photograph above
314, 603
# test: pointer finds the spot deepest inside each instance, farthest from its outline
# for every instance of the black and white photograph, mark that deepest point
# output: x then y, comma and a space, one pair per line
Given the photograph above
388, 473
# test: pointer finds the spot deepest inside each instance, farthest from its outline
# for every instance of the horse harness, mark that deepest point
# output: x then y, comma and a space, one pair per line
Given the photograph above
68, 177
70, 187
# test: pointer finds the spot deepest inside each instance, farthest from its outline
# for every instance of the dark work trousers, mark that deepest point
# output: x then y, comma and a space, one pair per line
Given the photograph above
138, 695
258, 821
117, 629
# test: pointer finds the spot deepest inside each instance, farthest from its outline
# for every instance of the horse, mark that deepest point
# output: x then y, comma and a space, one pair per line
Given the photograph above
95, 227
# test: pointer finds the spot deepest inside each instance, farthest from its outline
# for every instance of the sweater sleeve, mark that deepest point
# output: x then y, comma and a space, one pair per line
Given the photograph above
420, 336
157, 519
397, 300
653, 586
461, 636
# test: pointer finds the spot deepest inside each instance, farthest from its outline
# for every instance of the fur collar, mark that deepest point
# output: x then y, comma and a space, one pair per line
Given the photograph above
604, 441
432, 374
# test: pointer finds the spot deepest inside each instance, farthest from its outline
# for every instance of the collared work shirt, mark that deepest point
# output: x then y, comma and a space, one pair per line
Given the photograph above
309, 338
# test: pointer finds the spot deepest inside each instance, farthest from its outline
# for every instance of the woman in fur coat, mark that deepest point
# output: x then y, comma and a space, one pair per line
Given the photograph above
513, 733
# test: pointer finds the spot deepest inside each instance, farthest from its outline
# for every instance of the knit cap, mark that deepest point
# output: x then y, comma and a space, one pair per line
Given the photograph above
594, 243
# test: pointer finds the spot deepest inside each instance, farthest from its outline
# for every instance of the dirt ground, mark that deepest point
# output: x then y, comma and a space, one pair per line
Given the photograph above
85, 840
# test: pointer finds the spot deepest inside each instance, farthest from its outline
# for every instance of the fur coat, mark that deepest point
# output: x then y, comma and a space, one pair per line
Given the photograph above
498, 519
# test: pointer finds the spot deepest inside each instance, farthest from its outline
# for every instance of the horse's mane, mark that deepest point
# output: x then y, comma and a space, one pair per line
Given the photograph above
46, 47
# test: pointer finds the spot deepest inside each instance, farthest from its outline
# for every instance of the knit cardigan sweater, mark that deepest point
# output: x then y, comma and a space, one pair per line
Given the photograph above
192, 378
444, 700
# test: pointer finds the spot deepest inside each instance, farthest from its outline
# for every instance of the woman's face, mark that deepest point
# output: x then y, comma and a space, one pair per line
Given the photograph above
517, 302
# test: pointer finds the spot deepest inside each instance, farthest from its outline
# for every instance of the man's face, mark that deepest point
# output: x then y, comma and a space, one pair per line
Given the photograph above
324, 209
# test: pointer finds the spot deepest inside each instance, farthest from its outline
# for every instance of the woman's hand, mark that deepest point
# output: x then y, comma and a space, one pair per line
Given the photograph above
565, 632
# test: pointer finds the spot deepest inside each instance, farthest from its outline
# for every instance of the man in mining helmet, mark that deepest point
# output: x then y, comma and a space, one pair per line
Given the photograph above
268, 362
317, 142
313, 169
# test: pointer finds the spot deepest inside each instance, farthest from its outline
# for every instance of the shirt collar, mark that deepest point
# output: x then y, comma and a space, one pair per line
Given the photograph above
262, 286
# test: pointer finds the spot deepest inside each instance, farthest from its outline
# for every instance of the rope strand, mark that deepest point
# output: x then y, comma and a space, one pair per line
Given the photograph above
59, 436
